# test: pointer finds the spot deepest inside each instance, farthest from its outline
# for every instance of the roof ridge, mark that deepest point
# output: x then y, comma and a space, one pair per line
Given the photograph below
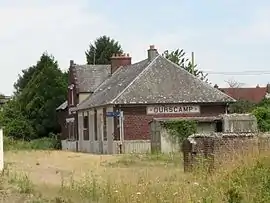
136, 78
97, 89
243, 88
206, 84
117, 70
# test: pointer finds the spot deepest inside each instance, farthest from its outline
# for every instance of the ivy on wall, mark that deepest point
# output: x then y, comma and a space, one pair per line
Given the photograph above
180, 129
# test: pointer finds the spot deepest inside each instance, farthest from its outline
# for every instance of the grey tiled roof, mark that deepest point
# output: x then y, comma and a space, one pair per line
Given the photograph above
114, 85
165, 82
89, 77
62, 106
159, 81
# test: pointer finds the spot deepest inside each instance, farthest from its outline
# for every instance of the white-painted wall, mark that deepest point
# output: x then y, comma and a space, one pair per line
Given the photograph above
83, 96
80, 132
110, 131
1, 150
132, 146
101, 146
68, 145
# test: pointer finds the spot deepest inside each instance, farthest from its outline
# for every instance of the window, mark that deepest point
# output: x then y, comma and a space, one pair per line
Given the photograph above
104, 125
219, 126
71, 94
95, 125
85, 126
72, 97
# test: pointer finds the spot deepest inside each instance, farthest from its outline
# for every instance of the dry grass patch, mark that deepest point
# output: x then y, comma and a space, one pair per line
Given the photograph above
76, 177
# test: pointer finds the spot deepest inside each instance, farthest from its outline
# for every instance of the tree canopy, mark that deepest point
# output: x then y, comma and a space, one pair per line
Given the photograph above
40, 89
102, 49
178, 57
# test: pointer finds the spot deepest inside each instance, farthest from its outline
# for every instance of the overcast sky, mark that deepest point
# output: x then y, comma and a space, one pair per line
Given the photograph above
226, 35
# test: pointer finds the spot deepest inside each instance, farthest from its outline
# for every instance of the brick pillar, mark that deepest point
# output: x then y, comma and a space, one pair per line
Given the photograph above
208, 144
187, 155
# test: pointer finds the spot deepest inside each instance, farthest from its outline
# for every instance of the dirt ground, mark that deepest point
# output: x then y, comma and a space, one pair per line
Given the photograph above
49, 170
52, 167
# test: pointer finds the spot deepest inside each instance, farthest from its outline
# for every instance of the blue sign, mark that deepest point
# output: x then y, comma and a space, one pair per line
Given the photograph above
113, 114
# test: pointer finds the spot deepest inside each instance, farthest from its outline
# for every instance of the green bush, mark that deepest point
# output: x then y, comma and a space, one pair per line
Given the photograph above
36, 144
19, 129
241, 106
263, 118
180, 129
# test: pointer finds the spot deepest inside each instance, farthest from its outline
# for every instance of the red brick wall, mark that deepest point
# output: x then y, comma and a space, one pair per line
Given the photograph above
62, 116
72, 80
136, 122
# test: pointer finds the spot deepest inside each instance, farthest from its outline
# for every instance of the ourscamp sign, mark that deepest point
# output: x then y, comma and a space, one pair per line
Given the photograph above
173, 109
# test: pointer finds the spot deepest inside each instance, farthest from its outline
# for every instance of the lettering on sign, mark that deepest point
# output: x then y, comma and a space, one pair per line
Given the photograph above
176, 109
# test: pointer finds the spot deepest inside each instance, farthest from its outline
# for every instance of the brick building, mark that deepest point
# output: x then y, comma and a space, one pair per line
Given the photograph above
251, 94
152, 88
82, 82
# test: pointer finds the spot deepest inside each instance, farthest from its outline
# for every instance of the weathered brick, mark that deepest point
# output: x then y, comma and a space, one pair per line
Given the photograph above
136, 122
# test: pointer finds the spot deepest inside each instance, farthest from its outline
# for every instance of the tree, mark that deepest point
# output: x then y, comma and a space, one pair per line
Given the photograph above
43, 93
178, 57
23, 79
233, 83
102, 50
16, 125
41, 88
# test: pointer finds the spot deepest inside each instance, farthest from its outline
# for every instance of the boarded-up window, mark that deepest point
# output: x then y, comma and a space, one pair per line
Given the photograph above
104, 125
85, 126
95, 125
71, 129
116, 129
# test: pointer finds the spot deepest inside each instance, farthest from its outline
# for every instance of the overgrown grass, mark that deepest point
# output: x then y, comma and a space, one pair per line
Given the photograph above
248, 181
37, 144
242, 180
148, 159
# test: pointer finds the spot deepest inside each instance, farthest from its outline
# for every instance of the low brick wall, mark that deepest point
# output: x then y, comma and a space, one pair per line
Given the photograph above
216, 150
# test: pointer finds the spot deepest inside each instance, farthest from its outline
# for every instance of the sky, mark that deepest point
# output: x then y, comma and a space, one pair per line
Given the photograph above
227, 36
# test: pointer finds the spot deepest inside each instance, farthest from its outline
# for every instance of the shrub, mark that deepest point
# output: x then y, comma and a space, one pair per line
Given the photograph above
180, 129
19, 129
263, 118
36, 144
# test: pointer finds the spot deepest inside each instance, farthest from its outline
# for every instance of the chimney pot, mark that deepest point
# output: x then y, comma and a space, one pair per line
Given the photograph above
152, 53
71, 63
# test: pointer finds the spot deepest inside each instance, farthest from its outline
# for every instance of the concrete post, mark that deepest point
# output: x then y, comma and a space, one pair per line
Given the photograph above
1, 150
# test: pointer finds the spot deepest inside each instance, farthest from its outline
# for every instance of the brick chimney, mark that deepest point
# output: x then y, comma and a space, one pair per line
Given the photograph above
268, 88
118, 60
152, 53
71, 63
